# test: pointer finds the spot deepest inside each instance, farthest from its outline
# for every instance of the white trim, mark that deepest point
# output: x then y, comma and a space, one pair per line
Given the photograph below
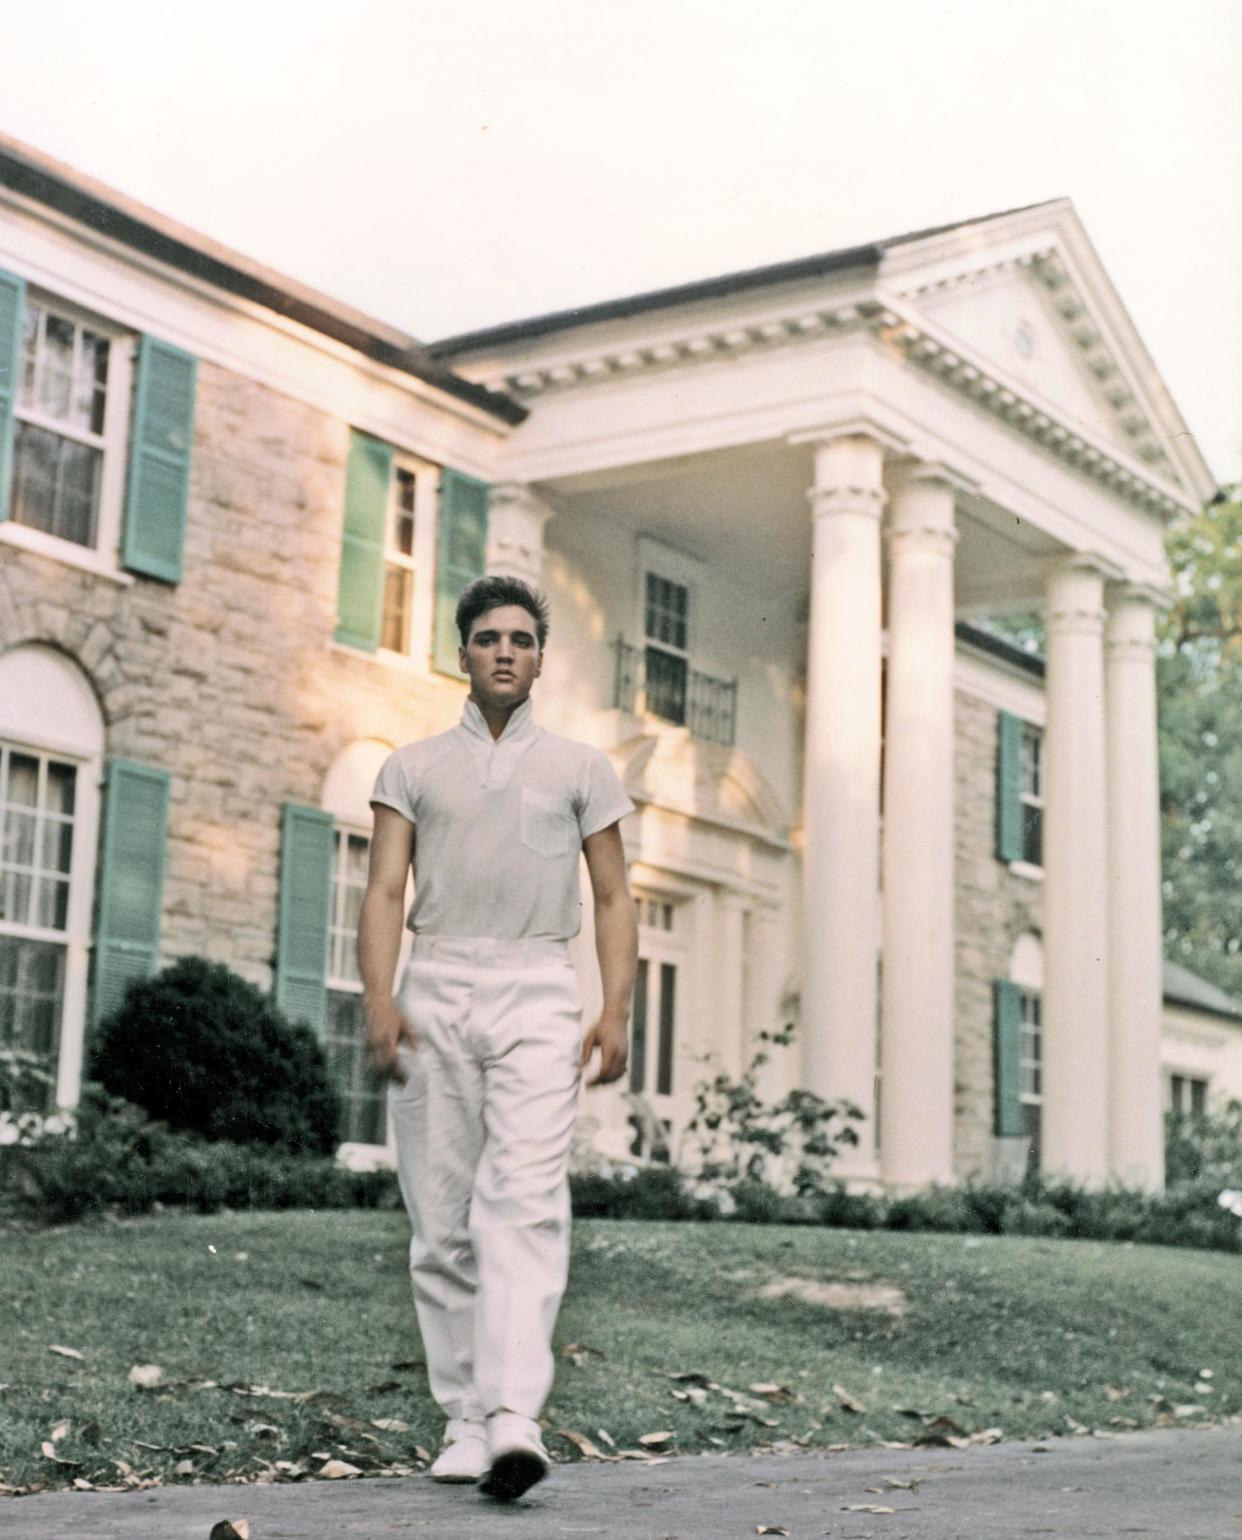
66, 551
1026, 869
56, 253
998, 684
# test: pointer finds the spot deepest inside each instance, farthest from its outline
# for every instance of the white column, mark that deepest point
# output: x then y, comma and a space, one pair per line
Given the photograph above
916, 1098
841, 790
765, 939
1076, 889
1136, 1119
515, 520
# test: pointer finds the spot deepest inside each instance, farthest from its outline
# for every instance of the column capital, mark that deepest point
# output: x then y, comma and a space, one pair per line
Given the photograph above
1131, 624
1075, 593
521, 497
516, 516
923, 507
849, 475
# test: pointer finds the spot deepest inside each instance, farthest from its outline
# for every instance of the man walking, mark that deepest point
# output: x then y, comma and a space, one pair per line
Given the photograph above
483, 1041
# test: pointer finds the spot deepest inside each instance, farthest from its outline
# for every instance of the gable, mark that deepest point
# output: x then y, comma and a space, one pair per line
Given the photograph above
1029, 321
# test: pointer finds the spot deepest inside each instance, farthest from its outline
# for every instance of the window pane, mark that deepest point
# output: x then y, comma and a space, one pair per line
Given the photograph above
1033, 834
668, 1006
357, 856
19, 839
398, 582
666, 685
34, 477
92, 380
638, 1031
61, 787
23, 787
32, 982
56, 372
362, 1091
52, 903
30, 337
75, 502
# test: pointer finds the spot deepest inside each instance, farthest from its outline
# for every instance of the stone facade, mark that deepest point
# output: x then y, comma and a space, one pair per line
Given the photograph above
230, 680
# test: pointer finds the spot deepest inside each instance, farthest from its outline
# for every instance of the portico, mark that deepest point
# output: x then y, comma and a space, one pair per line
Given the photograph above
887, 442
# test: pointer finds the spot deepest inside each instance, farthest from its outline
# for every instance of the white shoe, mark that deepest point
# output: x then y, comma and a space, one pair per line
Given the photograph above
516, 1456
464, 1454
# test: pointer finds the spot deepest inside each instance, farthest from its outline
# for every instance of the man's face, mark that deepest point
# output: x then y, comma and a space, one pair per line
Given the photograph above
502, 656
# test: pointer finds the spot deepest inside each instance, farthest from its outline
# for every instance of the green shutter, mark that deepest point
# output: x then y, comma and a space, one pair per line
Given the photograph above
461, 557
131, 881
1008, 787
12, 303
360, 587
306, 847
158, 493
1007, 1055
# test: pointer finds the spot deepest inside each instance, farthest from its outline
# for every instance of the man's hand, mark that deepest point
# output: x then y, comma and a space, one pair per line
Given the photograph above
610, 1035
387, 1030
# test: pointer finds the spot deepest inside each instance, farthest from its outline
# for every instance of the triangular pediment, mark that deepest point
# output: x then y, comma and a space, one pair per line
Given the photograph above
1027, 298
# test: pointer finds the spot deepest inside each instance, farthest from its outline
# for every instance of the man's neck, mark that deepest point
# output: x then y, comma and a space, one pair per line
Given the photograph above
497, 717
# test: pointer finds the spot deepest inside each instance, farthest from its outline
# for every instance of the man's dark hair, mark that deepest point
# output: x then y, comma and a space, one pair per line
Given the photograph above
489, 593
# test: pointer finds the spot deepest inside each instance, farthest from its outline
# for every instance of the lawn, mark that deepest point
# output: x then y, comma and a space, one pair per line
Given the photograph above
849, 1337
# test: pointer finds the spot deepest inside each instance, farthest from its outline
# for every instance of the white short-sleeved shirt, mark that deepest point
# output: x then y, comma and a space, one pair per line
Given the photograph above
500, 824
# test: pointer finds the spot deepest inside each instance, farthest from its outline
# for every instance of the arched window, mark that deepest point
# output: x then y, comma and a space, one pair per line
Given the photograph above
50, 770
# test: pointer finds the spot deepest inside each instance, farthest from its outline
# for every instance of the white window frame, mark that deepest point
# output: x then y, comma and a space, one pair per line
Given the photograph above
664, 561
417, 652
103, 557
663, 943
1187, 1079
1032, 732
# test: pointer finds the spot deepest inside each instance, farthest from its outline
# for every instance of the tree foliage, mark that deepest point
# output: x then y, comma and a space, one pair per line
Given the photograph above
1200, 689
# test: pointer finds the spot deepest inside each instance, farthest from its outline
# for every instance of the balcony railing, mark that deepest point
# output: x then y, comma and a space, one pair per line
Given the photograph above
649, 679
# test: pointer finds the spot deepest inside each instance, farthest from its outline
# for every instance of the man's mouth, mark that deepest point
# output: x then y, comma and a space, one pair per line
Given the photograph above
504, 673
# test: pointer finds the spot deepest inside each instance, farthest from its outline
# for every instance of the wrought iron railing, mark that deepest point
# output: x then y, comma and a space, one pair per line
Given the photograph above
651, 679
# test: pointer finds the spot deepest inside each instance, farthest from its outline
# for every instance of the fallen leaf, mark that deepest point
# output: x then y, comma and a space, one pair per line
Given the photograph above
81, 1484
66, 1352
946, 1425
847, 1400
693, 1377
894, 1484
262, 1430
409, 1363
146, 1376
183, 1468
384, 1386
338, 1470
770, 1529
390, 1425
579, 1352
239, 1529
988, 1436
49, 1453
60, 1430
867, 1508
583, 1445
1118, 1392
421, 1453
607, 1437
655, 1440
774, 1393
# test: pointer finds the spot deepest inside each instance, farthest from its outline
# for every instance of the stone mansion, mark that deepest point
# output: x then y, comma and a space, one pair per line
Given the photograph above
771, 511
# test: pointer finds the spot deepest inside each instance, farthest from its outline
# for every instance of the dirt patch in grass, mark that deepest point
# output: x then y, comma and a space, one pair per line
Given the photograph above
886, 1297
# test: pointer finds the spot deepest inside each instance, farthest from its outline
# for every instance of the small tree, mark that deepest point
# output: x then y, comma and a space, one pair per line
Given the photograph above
789, 1145
202, 1049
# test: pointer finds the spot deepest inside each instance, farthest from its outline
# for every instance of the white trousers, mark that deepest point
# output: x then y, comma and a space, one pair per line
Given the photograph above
482, 1127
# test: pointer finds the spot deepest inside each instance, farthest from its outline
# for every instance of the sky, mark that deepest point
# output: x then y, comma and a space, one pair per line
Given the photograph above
446, 166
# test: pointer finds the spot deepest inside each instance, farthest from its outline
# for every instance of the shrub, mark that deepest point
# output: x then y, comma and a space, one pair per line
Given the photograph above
1206, 1146
650, 1192
201, 1049
115, 1157
737, 1138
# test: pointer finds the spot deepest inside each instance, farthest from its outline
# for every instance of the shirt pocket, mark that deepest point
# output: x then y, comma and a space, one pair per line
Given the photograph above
545, 824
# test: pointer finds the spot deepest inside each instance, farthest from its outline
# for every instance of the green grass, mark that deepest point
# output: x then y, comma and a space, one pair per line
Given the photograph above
994, 1327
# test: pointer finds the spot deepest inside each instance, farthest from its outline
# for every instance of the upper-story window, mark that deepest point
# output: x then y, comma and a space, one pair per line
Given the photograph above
400, 559
59, 442
666, 629
1032, 794
70, 425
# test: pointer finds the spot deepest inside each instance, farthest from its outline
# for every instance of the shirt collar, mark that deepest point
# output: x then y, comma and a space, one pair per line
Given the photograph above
521, 724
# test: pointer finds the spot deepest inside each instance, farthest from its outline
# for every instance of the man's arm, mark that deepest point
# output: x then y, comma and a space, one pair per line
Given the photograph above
379, 937
616, 946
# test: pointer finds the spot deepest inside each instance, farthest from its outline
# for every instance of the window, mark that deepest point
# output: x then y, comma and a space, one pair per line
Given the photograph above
1032, 794
399, 567
38, 794
1030, 1061
1188, 1095
362, 1091
666, 632
653, 1024
70, 423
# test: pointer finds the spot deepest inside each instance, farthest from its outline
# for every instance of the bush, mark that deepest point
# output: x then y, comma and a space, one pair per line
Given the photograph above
650, 1192
1206, 1146
203, 1050
115, 1157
